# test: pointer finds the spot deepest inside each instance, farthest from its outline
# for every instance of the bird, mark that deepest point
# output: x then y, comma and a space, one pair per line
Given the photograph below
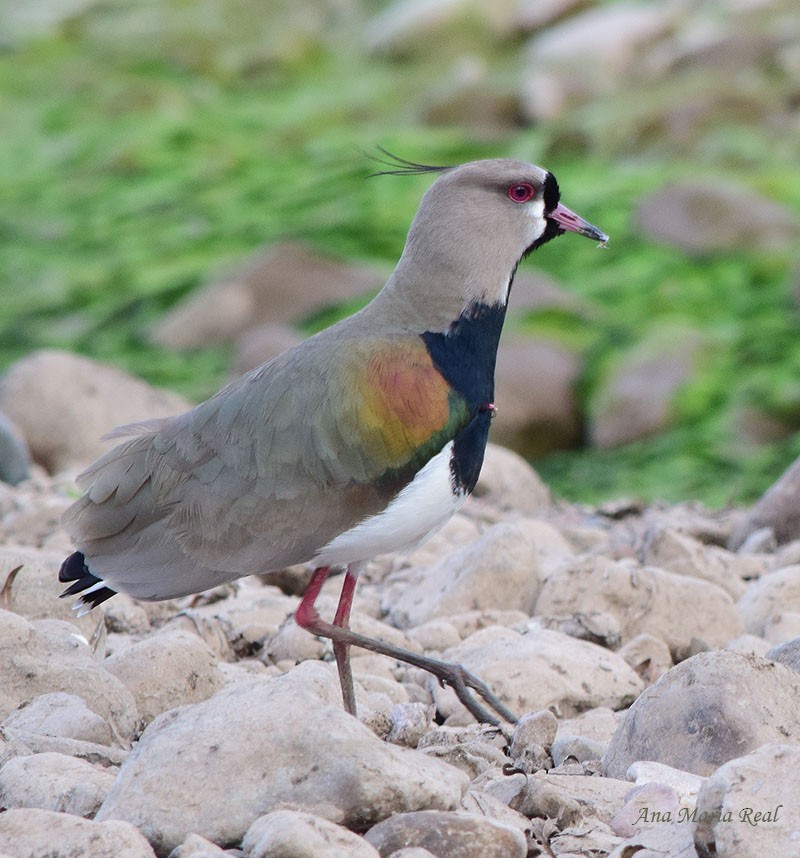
362, 440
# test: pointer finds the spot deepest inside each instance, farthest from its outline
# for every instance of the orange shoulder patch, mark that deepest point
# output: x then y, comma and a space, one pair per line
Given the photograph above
402, 397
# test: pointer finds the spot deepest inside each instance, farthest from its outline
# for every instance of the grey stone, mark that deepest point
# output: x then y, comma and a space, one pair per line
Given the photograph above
778, 509
508, 482
646, 805
412, 852
32, 832
671, 838
51, 655
23, 742
196, 846
700, 217
410, 722
537, 728
636, 396
564, 798
685, 784
30, 587
300, 749
680, 553
768, 598
15, 458
536, 397
678, 609
57, 782
746, 807
577, 748
63, 403
165, 670
264, 289
787, 653
588, 54
648, 655
448, 835
542, 669
533, 737
500, 570
296, 834
63, 715
707, 710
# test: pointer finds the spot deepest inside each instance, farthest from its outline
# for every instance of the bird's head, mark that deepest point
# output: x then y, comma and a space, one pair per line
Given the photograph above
477, 221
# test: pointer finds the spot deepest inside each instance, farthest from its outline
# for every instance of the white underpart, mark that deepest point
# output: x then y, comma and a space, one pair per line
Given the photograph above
419, 510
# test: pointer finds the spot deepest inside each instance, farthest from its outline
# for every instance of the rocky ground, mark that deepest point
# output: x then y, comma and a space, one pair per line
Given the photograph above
653, 667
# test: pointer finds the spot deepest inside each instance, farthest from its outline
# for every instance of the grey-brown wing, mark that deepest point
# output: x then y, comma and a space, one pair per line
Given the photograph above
258, 477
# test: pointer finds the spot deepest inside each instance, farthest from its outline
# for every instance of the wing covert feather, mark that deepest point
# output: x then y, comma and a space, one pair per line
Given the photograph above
273, 467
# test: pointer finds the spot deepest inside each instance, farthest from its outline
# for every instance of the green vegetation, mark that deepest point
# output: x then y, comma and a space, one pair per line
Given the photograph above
130, 175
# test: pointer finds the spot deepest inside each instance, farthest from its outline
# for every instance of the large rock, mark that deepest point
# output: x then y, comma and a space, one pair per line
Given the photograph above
778, 509
635, 399
542, 669
587, 55
63, 403
535, 394
678, 609
32, 833
508, 482
166, 670
499, 570
747, 806
283, 283
707, 710
51, 655
53, 781
261, 745
700, 217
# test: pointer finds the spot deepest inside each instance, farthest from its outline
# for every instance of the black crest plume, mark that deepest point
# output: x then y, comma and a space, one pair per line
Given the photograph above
399, 166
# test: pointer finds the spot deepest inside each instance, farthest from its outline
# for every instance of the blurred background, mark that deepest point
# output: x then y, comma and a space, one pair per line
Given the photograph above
183, 192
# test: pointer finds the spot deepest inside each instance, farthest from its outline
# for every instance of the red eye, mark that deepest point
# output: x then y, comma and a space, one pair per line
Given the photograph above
521, 192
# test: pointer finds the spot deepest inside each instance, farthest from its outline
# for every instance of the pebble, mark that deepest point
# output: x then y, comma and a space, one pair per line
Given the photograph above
448, 835
33, 832
52, 781
296, 834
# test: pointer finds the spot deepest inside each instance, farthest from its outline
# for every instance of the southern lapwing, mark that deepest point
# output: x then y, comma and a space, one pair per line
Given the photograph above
362, 440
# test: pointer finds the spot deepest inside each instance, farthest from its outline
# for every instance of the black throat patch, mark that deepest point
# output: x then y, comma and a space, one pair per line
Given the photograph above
465, 355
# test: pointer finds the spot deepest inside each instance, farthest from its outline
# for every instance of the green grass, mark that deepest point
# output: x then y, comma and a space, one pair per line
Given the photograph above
129, 178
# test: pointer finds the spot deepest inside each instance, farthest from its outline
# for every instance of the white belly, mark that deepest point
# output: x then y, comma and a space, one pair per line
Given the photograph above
419, 510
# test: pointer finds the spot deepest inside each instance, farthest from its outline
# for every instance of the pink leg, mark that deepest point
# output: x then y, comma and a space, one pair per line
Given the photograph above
454, 675
342, 650
307, 617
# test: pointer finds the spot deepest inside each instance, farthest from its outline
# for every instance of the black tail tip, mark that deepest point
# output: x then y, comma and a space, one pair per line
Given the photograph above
74, 569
